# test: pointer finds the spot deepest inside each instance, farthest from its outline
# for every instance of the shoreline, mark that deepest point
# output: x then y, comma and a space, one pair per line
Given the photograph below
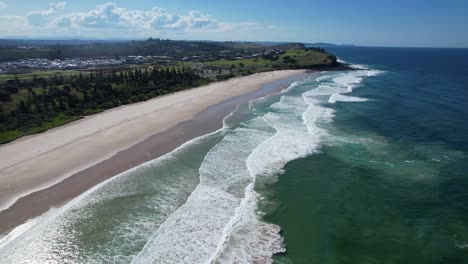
179, 129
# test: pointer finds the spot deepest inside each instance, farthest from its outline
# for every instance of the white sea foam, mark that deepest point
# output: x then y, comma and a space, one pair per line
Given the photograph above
349, 80
326, 90
292, 86
219, 222
198, 229
251, 240
295, 84
83, 199
345, 83
343, 98
225, 202
321, 78
46, 237
341, 60
373, 72
226, 124
297, 135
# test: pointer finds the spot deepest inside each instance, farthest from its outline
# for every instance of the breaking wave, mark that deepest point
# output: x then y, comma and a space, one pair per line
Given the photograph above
221, 222
179, 211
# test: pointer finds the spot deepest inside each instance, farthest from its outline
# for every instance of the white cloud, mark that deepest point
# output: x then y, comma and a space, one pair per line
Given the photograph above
110, 15
60, 5
11, 24
109, 19
43, 18
40, 18
2, 5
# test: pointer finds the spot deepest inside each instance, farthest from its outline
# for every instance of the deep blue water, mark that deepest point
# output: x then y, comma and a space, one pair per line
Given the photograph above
422, 97
390, 184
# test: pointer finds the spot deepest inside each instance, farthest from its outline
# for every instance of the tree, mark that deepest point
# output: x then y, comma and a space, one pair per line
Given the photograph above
22, 108
55, 54
4, 96
38, 107
44, 84
61, 105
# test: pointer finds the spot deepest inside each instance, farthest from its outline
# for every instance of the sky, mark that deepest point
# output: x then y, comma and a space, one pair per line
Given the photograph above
410, 23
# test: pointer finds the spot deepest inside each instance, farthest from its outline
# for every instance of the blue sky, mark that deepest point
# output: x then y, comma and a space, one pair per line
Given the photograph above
418, 23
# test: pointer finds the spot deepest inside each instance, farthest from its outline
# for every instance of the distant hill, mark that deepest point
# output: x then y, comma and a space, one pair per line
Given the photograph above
51, 42
271, 43
21, 49
321, 44
317, 44
14, 49
324, 44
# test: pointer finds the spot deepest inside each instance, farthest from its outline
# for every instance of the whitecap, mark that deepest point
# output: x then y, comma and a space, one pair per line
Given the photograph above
343, 98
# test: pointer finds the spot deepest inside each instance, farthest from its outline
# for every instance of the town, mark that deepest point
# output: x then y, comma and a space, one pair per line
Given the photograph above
34, 64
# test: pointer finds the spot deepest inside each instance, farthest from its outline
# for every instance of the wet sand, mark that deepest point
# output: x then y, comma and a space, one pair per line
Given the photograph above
207, 120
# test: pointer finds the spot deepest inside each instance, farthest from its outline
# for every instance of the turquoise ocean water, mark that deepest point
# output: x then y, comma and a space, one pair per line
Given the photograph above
365, 166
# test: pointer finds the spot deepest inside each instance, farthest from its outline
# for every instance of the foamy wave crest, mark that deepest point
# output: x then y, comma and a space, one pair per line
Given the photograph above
349, 80
341, 61
371, 73
246, 239
144, 190
251, 240
323, 77
325, 90
342, 84
180, 212
295, 84
197, 231
219, 222
343, 98
292, 86
229, 221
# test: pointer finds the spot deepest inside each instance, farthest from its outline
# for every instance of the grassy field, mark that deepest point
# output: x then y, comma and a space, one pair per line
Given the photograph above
303, 58
291, 59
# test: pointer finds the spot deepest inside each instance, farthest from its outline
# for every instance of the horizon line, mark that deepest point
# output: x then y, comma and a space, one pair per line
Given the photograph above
349, 45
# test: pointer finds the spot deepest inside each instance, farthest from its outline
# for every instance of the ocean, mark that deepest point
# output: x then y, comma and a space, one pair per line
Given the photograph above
362, 166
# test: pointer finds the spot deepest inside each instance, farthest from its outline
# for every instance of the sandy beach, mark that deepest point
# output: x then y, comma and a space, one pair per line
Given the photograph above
45, 170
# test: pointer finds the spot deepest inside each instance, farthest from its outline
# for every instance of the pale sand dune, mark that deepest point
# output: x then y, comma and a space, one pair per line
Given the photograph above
39, 161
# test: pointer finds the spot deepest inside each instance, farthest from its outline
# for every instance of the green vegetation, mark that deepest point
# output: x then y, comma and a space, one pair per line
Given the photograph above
36, 100
152, 46
289, 59
35, 105
36, 74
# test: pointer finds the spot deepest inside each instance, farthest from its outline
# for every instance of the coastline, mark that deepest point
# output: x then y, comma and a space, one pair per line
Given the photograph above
155, 130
